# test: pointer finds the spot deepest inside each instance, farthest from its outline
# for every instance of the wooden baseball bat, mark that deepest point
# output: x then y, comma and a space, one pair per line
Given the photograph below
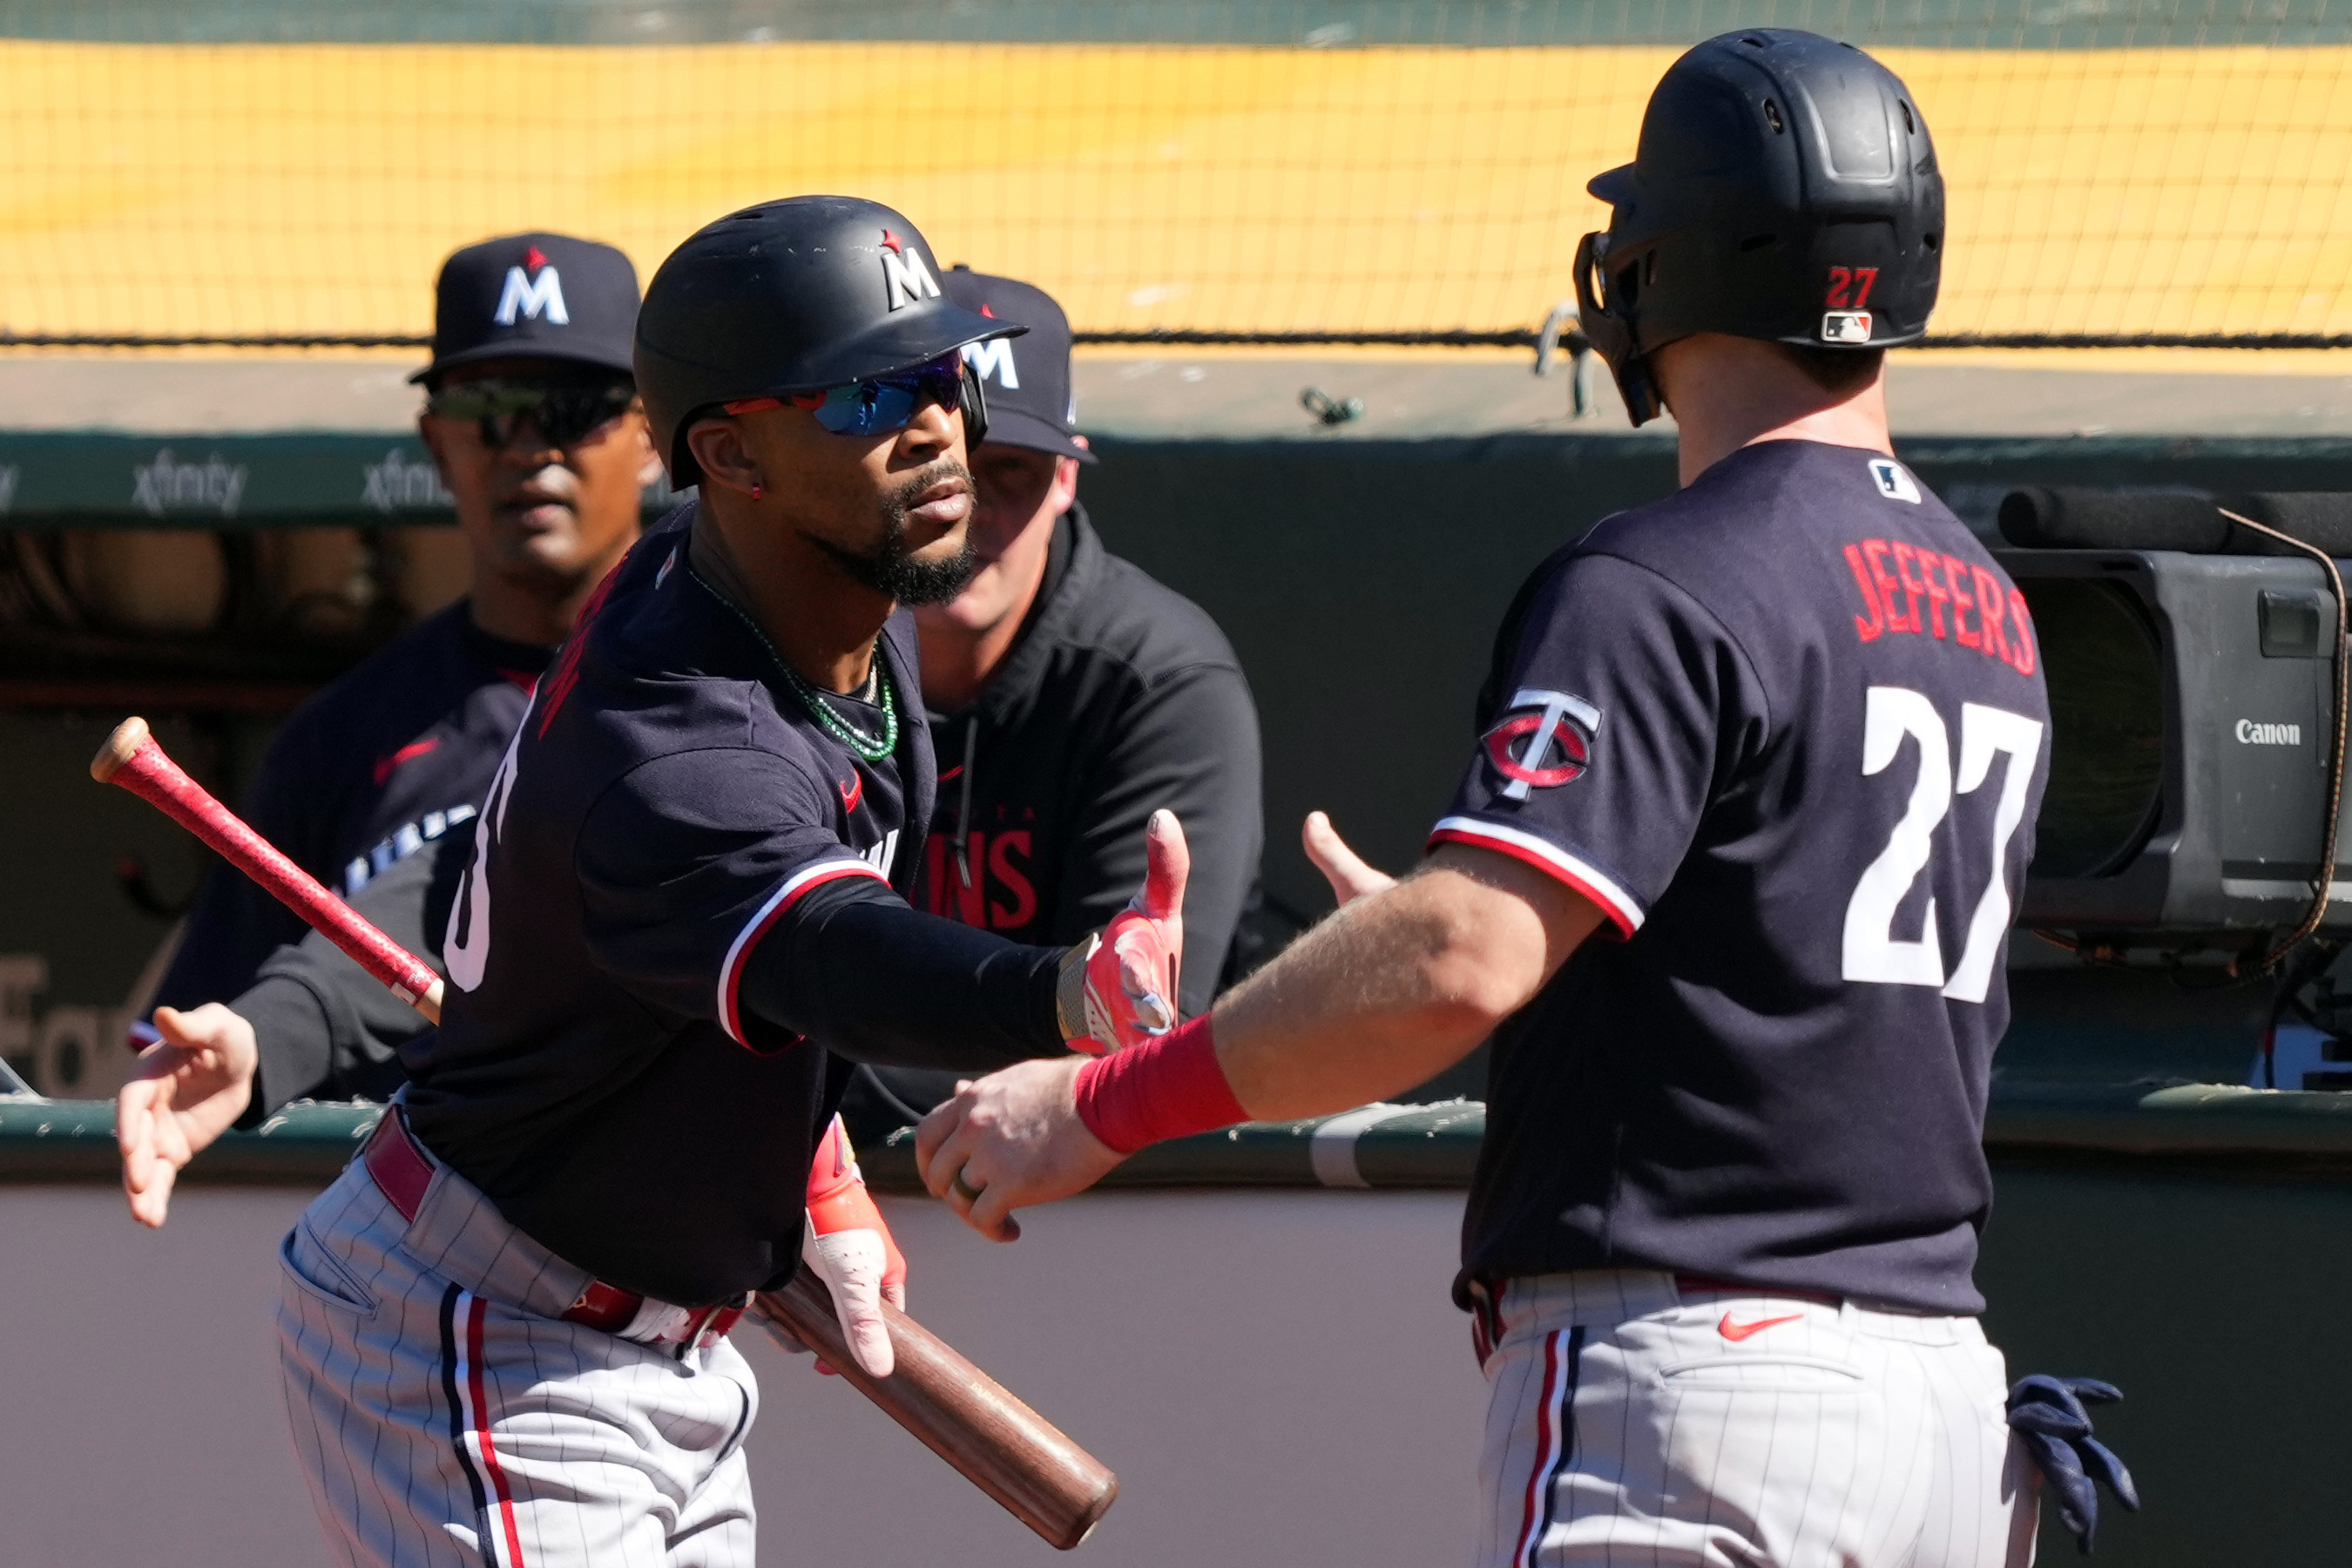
960, 1413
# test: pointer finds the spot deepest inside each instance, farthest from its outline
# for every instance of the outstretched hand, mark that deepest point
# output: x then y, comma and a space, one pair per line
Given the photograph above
1013, 1140
1348, 872
1120, 984
191, 1087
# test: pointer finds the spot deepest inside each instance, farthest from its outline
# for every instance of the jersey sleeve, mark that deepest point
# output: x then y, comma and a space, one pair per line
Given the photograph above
1614, 715
690, 861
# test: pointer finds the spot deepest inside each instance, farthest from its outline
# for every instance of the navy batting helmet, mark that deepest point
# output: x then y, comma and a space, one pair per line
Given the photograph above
1785, 189
794, 296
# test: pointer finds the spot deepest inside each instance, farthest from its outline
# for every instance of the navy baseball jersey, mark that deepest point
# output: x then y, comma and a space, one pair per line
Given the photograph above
382, 762
1786, 729
664, 808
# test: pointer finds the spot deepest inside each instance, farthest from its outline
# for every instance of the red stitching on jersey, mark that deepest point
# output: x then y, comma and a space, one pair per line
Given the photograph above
566, 673
407, 753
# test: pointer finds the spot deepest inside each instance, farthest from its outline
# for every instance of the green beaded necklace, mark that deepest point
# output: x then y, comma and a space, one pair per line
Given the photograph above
819, 707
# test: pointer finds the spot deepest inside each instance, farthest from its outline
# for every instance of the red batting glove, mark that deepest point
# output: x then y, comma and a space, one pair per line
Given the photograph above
1119, 985
852, 1250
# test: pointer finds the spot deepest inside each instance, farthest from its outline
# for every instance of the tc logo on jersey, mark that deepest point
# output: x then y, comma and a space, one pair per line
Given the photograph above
904, 272
1892, 482
533, 290
1543, 740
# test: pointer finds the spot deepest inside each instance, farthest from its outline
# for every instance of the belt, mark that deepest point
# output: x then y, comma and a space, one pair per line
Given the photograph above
402, 1171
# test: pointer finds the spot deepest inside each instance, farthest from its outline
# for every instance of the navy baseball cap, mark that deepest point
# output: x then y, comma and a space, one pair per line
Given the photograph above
549, 295
1030, 403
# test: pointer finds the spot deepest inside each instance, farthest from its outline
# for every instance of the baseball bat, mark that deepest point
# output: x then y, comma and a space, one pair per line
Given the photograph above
959, 1411
132, 758
1003, 1447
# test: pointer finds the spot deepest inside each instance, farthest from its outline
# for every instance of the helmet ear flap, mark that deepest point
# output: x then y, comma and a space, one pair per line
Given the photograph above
1612, 334
974, 404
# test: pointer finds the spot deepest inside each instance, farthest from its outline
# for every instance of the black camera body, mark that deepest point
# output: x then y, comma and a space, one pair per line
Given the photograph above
2192, 714
2192, 669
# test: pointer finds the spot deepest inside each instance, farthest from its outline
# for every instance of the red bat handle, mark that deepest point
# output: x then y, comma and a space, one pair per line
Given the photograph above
132, 758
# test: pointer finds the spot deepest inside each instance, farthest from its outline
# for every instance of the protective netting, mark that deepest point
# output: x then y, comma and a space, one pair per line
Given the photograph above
250, 169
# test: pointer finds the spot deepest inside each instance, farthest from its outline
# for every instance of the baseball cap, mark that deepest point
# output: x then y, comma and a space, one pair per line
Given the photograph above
546, 295
1027, 380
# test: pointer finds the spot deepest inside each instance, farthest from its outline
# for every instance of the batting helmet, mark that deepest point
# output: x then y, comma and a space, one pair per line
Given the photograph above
1785, 189
794, 296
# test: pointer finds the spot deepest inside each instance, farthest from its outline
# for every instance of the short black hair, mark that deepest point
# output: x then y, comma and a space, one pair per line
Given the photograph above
1837, 371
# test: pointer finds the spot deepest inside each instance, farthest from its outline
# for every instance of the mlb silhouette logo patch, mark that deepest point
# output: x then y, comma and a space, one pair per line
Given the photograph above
1845, 327
1892, 483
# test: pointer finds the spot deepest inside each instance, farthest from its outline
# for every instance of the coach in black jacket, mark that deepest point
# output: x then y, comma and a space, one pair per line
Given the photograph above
1071, 696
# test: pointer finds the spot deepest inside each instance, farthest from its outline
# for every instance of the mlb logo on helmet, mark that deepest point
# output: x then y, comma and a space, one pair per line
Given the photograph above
1543, 741
1845, 327
904, 272
533, 288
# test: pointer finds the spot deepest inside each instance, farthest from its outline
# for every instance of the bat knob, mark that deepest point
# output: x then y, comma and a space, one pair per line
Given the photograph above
120, 746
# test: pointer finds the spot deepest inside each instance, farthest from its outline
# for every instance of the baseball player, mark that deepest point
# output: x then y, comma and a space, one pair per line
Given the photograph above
504, 1328
532, 416
1071, 696
1728, 880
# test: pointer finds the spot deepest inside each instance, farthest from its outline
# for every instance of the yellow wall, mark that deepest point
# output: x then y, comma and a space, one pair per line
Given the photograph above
314, 188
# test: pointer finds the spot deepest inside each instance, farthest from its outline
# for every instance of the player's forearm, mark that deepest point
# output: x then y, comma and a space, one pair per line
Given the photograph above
1393, 989
876, 982
1385, 995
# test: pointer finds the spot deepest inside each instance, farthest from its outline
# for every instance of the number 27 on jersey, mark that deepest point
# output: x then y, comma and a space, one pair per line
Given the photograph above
1873, 954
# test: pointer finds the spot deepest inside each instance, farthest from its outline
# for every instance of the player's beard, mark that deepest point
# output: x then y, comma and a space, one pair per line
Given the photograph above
890, 567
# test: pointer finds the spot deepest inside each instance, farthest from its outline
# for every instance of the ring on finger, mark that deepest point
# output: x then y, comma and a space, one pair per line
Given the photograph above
965, 1189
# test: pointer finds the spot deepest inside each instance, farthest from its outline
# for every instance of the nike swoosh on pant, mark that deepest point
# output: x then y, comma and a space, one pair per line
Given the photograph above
1735, 1332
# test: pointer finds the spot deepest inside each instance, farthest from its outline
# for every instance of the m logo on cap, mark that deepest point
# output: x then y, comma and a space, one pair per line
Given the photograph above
533, 288
904, 271
994, 358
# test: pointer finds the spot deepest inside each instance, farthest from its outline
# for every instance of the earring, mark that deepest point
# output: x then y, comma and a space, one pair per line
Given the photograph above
756, 491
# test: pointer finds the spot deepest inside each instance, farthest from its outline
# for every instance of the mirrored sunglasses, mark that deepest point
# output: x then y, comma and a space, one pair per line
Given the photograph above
873, 408
563, 412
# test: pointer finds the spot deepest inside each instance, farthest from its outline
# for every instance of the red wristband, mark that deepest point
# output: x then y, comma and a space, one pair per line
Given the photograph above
1162, 1089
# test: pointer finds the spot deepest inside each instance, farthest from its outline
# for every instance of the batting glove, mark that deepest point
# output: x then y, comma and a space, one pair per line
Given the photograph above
852, 1251
2047, 1415
1119, 985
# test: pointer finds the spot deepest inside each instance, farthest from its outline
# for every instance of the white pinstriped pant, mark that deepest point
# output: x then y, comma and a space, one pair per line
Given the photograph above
1632, 1423
445, 1415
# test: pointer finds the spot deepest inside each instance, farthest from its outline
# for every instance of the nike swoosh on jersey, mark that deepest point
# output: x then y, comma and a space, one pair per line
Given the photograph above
853, 791
1735, 1332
